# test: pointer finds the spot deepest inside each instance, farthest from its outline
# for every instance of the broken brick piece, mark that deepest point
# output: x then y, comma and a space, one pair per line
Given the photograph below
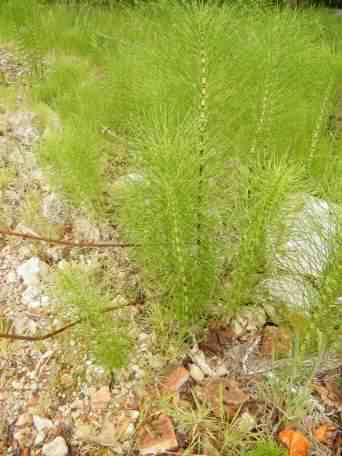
275, 340
223, 396
175, 380
157, 437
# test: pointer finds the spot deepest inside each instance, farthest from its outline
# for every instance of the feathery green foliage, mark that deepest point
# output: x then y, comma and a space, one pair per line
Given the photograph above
225, 113
83, 294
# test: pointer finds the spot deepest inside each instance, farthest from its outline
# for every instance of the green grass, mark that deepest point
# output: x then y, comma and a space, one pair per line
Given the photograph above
223, 111
266, 449
85, 296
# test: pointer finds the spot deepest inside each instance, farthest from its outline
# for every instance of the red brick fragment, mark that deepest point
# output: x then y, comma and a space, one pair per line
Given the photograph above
175, 380
157, 437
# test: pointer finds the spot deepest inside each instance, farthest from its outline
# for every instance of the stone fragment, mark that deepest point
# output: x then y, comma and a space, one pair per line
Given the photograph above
304, 245
198, 358
157, 437
31, 297
298, 252
246, 423
11, 277
40, 437
31, 271
21, 126
25, 419
196, 373
294, 292
53, 209
106, 438
84, 230
57, 447
101, 398
175, 380
41, 423
221, 370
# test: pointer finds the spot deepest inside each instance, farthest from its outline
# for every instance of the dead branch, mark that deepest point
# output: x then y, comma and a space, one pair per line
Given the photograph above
82, 244
60, 330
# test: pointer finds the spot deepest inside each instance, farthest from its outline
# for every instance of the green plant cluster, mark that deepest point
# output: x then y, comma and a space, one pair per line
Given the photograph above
221, 112
85, 296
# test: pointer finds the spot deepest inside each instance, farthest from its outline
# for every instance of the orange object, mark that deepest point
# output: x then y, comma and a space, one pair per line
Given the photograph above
325, 433
175, 380
296, 442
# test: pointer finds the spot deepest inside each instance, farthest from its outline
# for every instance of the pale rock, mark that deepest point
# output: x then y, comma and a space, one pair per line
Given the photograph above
130, 429
40, 437
57, 447
246, 423
11, 277
37, 174
31, 271
293, 292
21, 126
199, 359
83, 229
45, 301
221, 370
299, 252
196, 373
25, 419
106, 438
53, 209
23, 324
31, 326
306, 239
101, 398
41, 423
63, 264
31, 297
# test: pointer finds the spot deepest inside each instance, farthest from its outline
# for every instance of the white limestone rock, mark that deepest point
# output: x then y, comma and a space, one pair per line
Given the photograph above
304, 244
299, 252
31, 271
57, 447
41, 423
